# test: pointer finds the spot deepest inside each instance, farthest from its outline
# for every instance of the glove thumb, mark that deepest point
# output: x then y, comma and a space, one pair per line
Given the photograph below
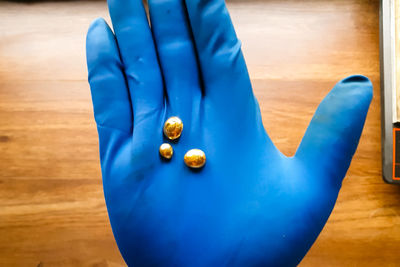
334, 132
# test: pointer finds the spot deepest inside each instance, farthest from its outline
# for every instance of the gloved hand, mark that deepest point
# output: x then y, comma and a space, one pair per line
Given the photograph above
250, 205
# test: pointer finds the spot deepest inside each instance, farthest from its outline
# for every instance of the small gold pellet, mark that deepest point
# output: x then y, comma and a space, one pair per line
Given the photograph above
166, 151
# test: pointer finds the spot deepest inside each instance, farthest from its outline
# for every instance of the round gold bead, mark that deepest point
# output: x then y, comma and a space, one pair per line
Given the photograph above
173, 128
166, 151
195, 158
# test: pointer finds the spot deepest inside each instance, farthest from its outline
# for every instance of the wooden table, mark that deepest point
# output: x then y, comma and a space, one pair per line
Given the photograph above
52, 211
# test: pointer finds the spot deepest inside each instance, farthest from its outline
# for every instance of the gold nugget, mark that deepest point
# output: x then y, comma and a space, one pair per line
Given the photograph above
166, 151
195, 158
173, 128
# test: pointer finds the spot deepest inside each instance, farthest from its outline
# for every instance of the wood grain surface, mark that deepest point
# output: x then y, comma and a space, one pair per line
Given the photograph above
52, 211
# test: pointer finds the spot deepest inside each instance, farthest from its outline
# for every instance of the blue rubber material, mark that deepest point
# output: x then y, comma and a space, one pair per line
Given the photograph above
250, 205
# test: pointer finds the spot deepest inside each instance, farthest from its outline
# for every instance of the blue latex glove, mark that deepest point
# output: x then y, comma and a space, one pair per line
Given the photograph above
250, 205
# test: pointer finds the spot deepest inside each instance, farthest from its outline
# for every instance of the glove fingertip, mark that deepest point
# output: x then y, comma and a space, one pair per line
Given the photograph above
98, 22
359, 85
99, 36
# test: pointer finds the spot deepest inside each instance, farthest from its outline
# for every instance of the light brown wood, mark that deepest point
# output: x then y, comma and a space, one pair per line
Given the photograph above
52, 211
